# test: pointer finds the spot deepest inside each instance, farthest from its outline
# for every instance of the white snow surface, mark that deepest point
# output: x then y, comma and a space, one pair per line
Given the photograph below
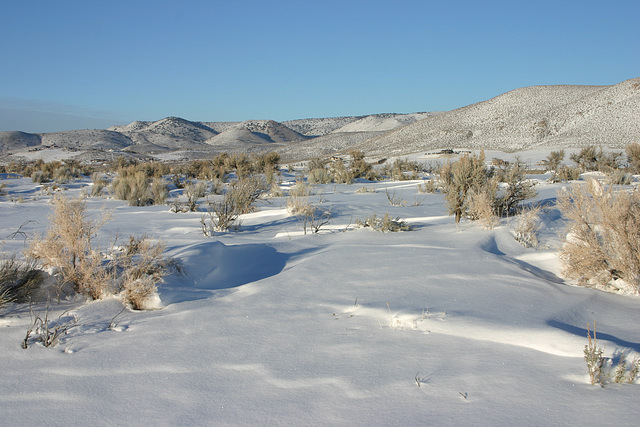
435, 326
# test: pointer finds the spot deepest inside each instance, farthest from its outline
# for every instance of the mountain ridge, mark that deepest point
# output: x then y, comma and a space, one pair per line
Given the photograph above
559, 116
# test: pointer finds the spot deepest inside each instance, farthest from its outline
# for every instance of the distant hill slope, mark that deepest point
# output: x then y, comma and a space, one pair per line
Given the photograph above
321, 126
87, 139
538, 116
171, 133
16, 140
382, 122
562, 116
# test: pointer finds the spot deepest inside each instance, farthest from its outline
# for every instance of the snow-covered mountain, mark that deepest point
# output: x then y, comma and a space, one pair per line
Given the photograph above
538, 116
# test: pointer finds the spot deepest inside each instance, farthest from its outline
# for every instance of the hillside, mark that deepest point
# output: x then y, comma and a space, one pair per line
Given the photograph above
87, 139
538, 116
17, 140
561, 116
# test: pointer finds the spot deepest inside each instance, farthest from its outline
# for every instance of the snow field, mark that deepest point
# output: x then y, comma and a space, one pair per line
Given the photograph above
273, 327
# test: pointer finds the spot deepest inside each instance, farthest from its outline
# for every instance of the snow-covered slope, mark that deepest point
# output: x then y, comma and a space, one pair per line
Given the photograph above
12, 140
87, 139
544, 116
169, 133
382, 122
320, 126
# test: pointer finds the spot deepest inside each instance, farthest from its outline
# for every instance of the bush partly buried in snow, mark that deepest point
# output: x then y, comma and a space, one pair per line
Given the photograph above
68, 252
602, 247
527, 227
384, 224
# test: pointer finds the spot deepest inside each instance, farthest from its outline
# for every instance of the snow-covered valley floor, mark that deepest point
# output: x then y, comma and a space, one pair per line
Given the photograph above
435, 326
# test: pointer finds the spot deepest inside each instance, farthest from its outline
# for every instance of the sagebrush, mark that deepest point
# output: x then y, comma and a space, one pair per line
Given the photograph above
602, 246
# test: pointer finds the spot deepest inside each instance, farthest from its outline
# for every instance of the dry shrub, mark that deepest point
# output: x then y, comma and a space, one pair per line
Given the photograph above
99, 181
482, 206
553, 160
319, 176
515, 189
132, 187
602, 247
527, 227
633, 157
384, 224
618, 177
300, 189
339, 172
246, 192
429, 186
222, 216
141, 267
238, 200
193, 191
276, 190
159, 191
312, 218
68, 252
67, 249
458, 179
298, 201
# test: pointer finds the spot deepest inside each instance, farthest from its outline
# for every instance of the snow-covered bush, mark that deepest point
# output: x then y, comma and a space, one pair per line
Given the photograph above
602, 247
384, 224
527, 227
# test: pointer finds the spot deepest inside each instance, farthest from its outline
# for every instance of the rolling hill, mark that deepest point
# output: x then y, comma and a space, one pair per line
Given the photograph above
559, 116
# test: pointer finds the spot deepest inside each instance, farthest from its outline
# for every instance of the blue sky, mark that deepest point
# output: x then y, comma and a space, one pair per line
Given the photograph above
90, 64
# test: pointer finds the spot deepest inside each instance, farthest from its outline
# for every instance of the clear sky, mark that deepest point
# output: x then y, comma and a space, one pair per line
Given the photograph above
91, 64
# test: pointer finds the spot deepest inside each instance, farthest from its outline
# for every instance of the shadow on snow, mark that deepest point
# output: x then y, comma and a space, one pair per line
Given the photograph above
213, 268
